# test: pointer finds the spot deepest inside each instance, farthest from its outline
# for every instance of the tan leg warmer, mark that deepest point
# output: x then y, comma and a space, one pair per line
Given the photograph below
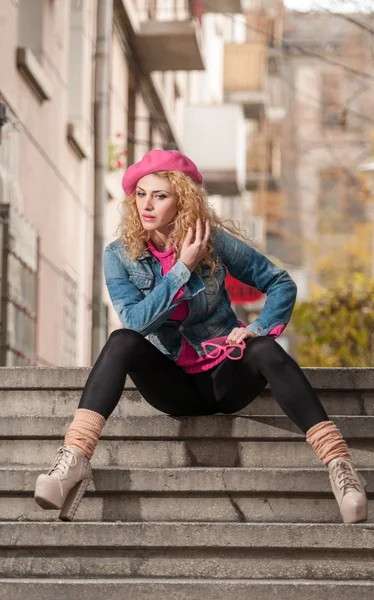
326, 440
85, 430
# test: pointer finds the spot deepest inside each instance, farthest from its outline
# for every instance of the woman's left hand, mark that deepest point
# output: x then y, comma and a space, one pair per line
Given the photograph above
238, 334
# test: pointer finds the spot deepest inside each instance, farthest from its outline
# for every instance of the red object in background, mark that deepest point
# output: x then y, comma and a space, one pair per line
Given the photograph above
239, 292
198, 9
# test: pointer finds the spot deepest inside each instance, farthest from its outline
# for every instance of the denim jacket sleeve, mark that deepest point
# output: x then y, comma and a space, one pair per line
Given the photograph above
142, 314
250, 267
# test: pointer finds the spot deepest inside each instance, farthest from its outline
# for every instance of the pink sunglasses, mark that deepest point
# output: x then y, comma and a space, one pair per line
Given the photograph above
214, 347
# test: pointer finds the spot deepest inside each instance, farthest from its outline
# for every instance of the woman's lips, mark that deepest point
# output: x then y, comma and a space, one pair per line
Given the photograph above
148, 218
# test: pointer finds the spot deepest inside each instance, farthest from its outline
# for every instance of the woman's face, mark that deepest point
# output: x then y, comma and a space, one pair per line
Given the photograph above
156, 203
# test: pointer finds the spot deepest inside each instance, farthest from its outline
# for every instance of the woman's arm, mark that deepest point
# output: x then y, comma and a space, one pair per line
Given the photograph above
250, 267
142, 314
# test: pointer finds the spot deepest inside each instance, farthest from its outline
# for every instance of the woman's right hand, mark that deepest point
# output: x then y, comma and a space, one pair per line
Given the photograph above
193, 252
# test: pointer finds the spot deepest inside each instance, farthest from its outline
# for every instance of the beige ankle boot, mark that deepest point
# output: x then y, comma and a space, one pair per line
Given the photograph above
348, 491
65, 483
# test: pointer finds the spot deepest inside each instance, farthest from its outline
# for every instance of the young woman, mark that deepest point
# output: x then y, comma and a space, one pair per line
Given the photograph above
182, 343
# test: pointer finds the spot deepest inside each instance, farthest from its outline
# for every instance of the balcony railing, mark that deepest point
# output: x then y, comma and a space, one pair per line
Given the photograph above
271, 207
225, 6
265, 5
265, 25
221, 160
257, 155
169, 10
170, 36
275, 206
263, 163
245, 76
245, 67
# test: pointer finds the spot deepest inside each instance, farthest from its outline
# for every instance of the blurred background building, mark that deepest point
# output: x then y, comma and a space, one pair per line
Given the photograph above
326, 132
246, 88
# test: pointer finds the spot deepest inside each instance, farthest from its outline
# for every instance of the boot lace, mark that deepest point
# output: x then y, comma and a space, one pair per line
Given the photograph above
345, 477
64, 459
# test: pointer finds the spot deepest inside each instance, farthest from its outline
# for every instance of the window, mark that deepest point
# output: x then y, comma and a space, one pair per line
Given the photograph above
9, 161
331, 100
30, 47
30, 26
78, 125
18, 282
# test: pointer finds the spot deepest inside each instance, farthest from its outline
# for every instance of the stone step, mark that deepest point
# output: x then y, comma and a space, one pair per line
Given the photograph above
343, 391
162, 441
198, 480
63, 403
163, 427
183, 589
183, 550
109, 536
211, 563
183, 453
360, 378
193, 507
190, 494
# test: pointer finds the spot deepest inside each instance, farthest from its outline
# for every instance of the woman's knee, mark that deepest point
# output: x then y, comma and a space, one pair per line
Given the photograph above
124, 340
265, 348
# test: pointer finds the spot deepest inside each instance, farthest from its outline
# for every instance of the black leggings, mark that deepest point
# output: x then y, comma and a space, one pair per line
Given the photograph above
171, 390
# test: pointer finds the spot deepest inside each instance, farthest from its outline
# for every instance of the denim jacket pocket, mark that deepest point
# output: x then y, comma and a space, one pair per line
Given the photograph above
143, 282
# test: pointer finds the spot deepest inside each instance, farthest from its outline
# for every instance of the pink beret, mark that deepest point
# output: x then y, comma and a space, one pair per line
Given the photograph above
159, 160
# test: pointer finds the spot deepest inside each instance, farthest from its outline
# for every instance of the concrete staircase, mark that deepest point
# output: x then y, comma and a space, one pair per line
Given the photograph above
224, 507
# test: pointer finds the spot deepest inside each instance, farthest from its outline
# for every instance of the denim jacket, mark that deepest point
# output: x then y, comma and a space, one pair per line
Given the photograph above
143, 297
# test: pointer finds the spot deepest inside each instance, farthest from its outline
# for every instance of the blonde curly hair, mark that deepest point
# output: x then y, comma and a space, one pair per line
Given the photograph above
192, 203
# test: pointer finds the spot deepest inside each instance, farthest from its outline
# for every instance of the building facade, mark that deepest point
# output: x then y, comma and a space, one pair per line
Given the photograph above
328, 97
46, 179
183, 75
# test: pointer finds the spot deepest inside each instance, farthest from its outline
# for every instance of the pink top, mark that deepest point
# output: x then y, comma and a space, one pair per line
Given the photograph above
188, 358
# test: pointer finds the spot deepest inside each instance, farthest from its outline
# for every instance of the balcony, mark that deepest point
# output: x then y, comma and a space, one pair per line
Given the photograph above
270, 206
263, 163
264, 5
267, 30
220, 158
225, 6
275, 54
169, 35
245, 77
274, 208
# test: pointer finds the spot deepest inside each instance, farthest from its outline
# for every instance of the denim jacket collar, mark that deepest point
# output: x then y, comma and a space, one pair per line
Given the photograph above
145, 254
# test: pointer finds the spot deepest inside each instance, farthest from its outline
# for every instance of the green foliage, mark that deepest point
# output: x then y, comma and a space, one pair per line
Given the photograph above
335, 328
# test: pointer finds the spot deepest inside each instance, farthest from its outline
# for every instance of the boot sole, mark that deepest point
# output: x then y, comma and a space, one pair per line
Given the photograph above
43, 503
